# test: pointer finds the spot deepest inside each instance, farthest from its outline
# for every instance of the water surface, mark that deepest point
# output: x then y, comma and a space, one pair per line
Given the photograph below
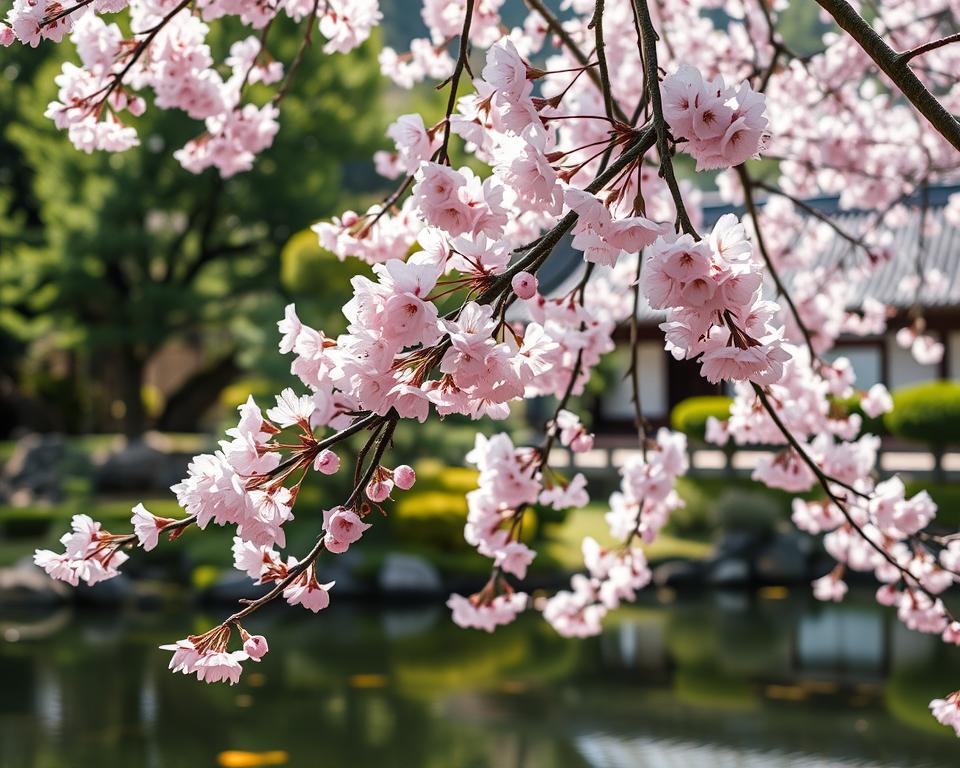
720, 680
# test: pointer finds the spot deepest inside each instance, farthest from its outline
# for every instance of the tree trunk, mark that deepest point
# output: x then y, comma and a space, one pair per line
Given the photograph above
186, 407
132, 366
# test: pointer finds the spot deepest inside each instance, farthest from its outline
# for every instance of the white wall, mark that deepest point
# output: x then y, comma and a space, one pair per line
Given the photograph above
616, 401
866, 359
953, 355
903, 369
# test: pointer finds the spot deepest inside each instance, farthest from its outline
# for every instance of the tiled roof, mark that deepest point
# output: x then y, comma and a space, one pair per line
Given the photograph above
885, 282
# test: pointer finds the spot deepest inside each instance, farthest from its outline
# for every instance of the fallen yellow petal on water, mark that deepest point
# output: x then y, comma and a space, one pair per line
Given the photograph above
235, 758
368, 681
774, 593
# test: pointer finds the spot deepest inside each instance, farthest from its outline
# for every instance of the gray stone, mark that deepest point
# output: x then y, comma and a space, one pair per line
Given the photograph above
729, 572
738, 544
785, 560
139, 467
678, 573
132, 468
26, 584
34, 472
409, 573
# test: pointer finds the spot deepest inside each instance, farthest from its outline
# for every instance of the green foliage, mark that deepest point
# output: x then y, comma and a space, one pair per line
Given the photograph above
705, 499
318, 280
434, 511
112, 256
690, 416
851, 405
755, 511
946, 497
928, 413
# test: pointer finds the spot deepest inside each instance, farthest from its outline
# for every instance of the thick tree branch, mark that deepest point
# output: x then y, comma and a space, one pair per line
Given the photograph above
895, 67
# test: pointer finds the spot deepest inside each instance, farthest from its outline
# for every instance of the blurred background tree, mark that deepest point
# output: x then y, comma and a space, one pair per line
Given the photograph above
131, 291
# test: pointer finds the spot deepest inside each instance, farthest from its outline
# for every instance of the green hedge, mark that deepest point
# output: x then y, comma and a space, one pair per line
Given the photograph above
847, 406
690, 416
434, 511
928, 413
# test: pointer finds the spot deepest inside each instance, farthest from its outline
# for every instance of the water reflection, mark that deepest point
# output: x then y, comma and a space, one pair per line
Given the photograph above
720, 680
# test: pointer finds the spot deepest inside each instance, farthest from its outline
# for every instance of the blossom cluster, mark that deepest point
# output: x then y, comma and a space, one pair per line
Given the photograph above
712, 290
720, 126
638, 511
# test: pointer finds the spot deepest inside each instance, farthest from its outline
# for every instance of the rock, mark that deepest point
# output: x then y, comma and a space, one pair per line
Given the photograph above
738, 544
729, 572
34, 472
409, 573
26, 584
678, 573
139, 467
132, 468
785, 560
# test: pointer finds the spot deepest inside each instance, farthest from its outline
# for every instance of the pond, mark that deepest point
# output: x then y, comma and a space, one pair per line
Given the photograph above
768, 680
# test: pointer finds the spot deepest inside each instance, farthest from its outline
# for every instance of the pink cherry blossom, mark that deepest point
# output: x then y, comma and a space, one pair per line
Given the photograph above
404, 477
524, 285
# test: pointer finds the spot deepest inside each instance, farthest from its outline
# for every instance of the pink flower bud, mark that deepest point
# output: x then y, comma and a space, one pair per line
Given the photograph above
404, 477
524, 285
255, 646
582, 443
6, 36
327, 462
379, 490
136, 106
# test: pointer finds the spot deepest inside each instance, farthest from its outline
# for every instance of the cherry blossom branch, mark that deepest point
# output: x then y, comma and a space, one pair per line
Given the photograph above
597, 24
535, 256
48, 20
442, 156
117, 79
801, 451
817, 214
895, 67
825, 481
638, 418
292, 574
380, 447
747, 185
931, 46
553, 23
651, 69
301, 52
174, 529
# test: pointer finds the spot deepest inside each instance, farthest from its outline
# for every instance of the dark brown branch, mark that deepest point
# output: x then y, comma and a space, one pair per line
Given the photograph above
442, 156
781, 289
648, 43
597, 24
895, 67
931, 46
553, 23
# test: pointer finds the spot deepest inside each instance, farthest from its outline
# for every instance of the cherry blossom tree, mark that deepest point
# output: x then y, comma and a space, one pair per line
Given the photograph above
583, 145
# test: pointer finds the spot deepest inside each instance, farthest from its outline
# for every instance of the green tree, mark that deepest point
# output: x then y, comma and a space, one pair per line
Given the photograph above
109, 257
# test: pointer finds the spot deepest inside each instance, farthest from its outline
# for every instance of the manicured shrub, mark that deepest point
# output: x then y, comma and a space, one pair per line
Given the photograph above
850, 405
754, 511
434, 511
690, 416
928, 413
